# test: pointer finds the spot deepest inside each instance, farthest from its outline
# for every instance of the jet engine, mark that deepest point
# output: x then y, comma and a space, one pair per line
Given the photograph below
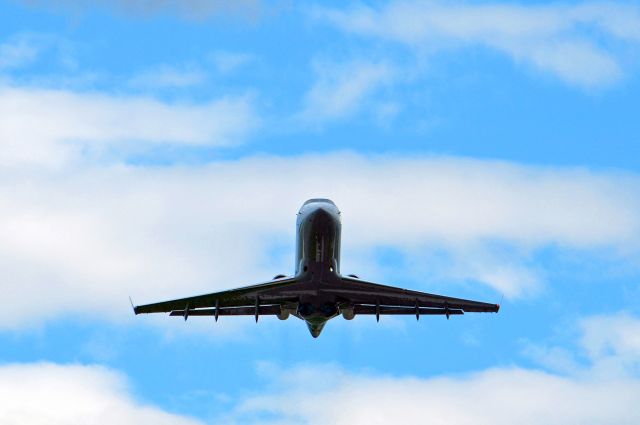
347, 312
286, 310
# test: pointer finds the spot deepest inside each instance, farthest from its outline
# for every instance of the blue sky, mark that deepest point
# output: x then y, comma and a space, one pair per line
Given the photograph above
157, 149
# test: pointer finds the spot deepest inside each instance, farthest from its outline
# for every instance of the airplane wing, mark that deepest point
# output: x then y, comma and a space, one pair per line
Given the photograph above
373, 298
365, 297
264, 298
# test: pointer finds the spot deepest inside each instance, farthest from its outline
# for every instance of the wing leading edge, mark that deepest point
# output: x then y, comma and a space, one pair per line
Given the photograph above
232, 302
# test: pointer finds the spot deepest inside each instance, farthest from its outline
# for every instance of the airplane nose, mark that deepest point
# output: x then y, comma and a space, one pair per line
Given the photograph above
321, 215
321, 221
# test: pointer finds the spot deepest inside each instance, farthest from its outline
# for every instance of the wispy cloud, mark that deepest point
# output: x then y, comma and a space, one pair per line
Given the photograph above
613, 342
578, 43
17, 52
189, 9
609, 344
341, 89
24, 49
53, 127
166, 76
228, 62
39, 393
87, 237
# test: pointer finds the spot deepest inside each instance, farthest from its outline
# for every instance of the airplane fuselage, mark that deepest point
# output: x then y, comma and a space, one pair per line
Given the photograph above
318, 239
318, 260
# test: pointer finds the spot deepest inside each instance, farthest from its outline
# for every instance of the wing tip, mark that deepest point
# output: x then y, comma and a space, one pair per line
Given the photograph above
498, 305
135, 308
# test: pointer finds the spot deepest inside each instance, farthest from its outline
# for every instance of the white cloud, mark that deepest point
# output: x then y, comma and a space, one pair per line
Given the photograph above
45, 393
54, 127
564, 40
341, 89
82, 240
557, 359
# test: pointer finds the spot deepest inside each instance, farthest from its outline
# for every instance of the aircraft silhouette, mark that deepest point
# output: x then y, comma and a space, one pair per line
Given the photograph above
317, 292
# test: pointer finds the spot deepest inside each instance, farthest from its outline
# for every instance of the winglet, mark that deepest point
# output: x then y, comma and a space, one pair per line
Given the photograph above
132, 306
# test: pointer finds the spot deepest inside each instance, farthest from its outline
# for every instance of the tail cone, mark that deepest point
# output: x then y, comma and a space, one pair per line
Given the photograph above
315, 328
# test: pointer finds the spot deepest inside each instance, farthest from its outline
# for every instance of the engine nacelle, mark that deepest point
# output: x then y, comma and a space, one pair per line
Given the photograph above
286, 310
347, 312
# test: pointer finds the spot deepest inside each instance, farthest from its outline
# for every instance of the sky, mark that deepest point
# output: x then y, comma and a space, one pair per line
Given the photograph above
479, 149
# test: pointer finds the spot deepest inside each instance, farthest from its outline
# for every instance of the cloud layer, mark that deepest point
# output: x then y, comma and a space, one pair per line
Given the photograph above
322, 393
577, 43
315, 394
83, 239
496, 396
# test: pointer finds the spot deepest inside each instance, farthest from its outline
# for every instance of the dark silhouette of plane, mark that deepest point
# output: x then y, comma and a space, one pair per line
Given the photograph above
317, 292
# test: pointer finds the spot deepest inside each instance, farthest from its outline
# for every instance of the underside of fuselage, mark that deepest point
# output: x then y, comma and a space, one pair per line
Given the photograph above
318, 261
316, 316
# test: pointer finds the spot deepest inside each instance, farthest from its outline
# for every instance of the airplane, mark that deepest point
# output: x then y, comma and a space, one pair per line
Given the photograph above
317, 292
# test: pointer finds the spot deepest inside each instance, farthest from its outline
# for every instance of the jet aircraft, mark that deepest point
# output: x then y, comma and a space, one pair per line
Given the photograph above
317, 292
